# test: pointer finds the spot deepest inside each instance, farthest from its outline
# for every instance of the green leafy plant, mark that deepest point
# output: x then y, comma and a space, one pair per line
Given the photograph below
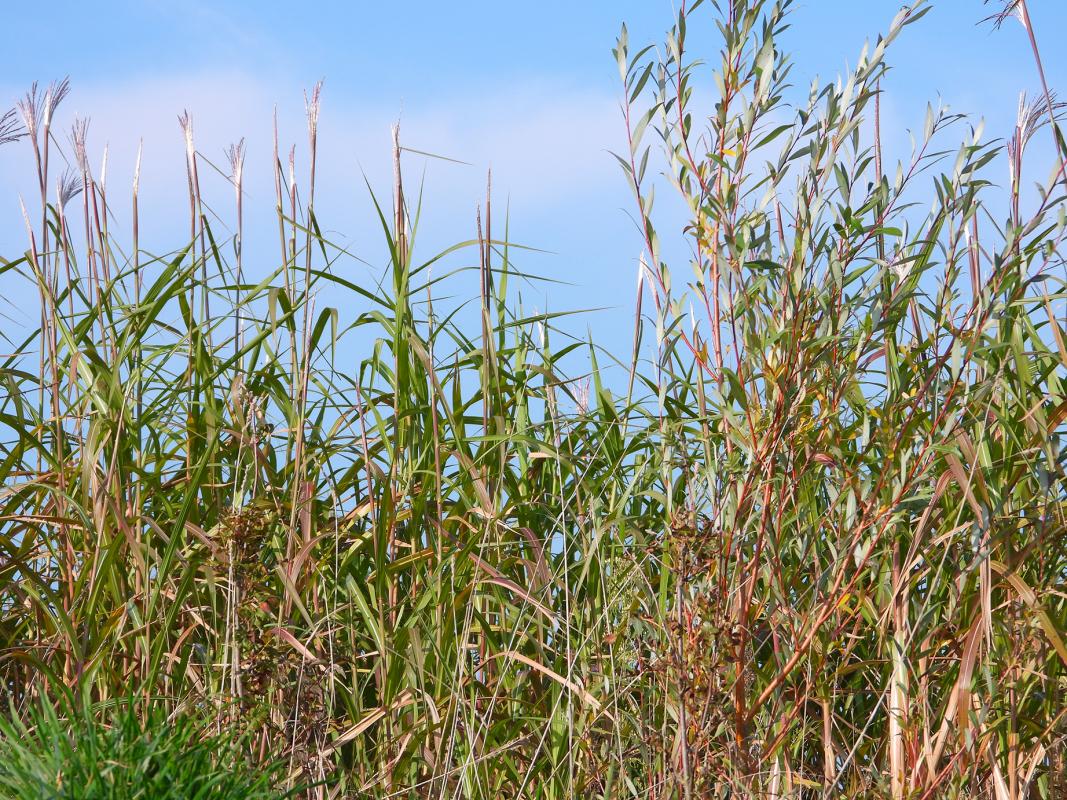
76, 753
860, 397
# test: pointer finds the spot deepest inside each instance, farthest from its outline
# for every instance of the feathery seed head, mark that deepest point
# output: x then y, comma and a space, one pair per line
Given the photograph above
79, 135
312, 105
10, 128
185, 121
68, 186
37, 109
1010, 8
235, 154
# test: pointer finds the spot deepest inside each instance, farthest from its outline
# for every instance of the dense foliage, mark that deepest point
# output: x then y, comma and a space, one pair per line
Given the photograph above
815, 547
140, 753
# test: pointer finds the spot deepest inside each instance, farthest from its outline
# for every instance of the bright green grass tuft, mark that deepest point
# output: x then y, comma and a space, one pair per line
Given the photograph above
75, 755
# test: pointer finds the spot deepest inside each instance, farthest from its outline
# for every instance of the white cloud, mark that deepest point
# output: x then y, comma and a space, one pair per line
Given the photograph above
547, 147
544, 144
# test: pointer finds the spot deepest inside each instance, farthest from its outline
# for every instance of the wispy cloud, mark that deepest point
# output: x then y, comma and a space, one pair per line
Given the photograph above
545, 144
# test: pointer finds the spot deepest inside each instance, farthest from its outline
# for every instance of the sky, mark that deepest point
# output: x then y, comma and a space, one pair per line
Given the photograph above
529, 89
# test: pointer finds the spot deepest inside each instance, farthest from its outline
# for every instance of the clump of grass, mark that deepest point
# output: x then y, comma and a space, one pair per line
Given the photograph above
815, 548
74, 754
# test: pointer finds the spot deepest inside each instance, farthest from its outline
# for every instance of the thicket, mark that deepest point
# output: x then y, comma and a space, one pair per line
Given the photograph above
812, 546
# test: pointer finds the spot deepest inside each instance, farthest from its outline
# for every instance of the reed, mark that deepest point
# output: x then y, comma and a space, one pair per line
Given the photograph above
816, 548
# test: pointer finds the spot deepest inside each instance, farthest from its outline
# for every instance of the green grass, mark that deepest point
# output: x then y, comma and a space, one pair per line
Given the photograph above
76, 757
815, 548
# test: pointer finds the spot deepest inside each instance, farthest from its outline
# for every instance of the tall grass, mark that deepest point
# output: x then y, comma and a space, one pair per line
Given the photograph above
816, 548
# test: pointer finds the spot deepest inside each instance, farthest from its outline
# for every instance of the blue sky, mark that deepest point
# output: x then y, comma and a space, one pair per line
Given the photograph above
530, 89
